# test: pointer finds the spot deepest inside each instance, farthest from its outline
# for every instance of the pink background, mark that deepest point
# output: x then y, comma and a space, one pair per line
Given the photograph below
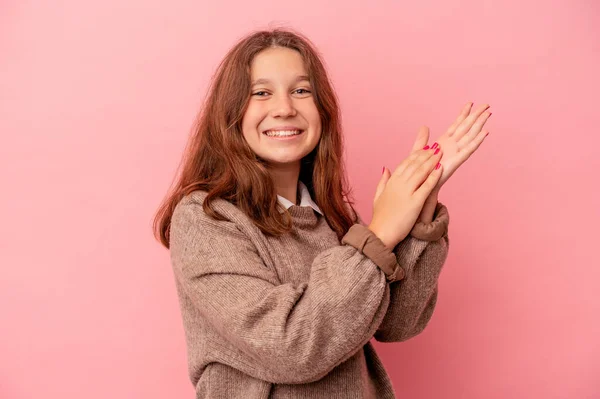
97, 99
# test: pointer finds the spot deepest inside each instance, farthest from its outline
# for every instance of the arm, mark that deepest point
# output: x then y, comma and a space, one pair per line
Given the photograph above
412, 300
276, 332
429, 208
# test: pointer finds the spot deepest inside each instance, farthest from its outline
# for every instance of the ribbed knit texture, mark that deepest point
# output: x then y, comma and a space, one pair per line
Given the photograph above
292, 317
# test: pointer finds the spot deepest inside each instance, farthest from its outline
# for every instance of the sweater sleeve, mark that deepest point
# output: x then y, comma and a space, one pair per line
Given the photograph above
281, 333
422, 255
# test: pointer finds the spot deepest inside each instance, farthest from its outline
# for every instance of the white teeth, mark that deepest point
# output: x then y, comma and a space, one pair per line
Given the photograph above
283, 133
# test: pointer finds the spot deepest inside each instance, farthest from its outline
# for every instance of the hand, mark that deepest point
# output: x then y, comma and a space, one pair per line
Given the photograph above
460, 140
399, 198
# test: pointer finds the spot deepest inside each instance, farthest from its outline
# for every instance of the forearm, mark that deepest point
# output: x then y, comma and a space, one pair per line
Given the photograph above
426, 215
281, 333
412, 300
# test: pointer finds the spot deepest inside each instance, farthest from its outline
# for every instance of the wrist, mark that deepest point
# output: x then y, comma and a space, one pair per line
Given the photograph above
381, 237
428, 211
432, 199
434, 193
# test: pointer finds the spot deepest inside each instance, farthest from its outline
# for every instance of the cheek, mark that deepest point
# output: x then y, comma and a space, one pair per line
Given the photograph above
316, 120
311, 113
250, 120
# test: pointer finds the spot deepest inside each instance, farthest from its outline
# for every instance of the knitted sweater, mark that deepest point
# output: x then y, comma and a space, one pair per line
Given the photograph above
292, 317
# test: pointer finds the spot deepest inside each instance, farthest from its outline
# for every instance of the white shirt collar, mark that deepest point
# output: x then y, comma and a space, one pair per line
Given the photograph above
305, 199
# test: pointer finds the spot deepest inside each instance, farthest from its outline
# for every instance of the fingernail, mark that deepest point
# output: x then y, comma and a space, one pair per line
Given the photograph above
434, 145
383, 170
436, 151
426, 147
438, 165
487, 134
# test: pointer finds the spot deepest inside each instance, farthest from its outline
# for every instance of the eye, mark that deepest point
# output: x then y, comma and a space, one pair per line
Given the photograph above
259, 93
302, 90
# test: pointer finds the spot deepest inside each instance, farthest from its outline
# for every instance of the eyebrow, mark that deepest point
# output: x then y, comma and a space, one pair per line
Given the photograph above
265, 81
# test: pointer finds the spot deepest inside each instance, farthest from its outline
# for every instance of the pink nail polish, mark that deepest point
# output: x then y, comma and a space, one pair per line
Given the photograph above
436, 151
383, 170
426, 147
438, 165
434, 145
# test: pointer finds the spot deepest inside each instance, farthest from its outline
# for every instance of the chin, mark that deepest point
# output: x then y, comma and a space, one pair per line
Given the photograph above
283, 161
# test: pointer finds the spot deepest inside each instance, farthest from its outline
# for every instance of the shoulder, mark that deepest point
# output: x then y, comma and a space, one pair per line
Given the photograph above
189, 215
193, 203
200, 242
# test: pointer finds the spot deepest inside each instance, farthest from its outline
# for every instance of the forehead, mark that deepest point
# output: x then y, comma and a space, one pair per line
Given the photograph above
277, 63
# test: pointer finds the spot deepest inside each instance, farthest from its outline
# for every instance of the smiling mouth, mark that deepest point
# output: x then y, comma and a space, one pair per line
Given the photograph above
283, 133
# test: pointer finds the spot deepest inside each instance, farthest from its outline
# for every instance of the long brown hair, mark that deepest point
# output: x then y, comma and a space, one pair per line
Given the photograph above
218, 159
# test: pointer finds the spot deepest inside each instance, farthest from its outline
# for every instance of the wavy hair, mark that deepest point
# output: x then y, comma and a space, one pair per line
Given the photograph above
218, 160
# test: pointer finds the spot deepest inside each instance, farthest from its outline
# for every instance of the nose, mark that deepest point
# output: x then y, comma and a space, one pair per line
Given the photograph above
283, 107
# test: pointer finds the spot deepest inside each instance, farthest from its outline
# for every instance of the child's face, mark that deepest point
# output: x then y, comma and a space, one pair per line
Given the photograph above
281, 97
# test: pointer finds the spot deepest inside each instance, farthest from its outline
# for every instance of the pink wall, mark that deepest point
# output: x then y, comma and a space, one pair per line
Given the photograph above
96, 102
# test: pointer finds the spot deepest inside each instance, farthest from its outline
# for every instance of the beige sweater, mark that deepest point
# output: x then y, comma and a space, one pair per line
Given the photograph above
292, 317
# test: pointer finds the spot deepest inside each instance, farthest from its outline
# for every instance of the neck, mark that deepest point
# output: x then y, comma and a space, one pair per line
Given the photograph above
285, 178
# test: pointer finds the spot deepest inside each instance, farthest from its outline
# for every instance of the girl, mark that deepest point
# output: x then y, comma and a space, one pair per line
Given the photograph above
281, 285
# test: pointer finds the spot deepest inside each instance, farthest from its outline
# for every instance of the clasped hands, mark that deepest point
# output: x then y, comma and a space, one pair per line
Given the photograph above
458, 143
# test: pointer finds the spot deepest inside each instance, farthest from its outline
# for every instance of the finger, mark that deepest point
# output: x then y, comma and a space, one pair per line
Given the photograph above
410, 163
466, 125
422, 170
429, 184
407, 161
422, 139
475, 130
385, 176
474, 144
461, 117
